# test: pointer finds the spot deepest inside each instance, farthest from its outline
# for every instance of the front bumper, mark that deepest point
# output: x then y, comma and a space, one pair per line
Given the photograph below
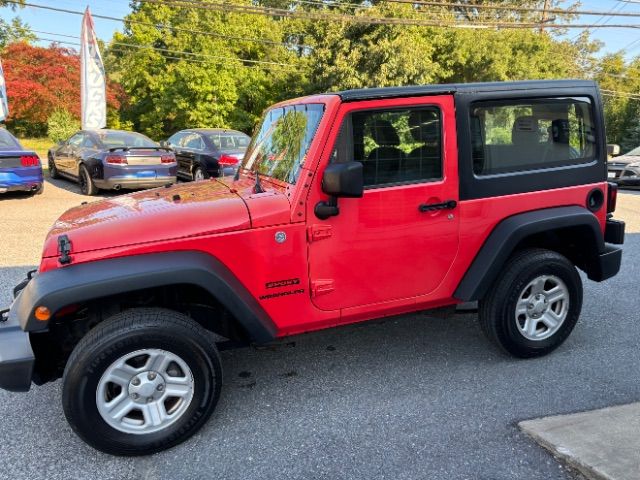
16, 355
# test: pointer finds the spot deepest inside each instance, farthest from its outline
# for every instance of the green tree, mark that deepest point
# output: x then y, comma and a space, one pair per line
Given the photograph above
221, 81
14, 31
618, 80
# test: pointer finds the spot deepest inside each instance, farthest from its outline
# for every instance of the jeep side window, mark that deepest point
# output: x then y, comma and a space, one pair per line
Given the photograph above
394, 146
531, 134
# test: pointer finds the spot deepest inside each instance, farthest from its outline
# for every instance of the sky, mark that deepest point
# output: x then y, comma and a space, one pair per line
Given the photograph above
613, 39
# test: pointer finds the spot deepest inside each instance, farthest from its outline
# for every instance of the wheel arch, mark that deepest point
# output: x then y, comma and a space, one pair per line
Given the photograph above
572, 231
112, 278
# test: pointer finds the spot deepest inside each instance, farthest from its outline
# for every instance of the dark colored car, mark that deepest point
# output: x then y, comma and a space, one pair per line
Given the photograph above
111, 160
20, 169
625, 169
208, 152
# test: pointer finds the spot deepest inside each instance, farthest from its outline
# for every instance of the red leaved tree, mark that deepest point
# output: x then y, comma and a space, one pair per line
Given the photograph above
41, 80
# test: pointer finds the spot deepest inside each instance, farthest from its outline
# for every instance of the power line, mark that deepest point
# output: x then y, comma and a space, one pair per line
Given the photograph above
309, 15
270, 11
160, 25
552, 11
608, 14
214, 59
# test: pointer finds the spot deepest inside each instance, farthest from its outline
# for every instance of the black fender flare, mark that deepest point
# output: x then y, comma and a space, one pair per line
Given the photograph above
505, 237
83, 282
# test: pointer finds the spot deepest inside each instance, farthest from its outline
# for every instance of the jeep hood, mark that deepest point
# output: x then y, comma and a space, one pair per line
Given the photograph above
183, 210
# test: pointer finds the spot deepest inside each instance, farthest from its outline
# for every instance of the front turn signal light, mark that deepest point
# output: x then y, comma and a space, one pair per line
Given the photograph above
42, 313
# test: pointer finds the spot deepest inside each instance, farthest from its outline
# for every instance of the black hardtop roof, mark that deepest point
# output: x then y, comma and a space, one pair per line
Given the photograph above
442, 89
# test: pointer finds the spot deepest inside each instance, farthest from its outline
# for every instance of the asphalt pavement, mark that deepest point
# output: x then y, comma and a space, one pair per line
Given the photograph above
405, 398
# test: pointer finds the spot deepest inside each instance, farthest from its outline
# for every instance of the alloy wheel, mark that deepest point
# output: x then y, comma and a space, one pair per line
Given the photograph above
145, 391
542, 307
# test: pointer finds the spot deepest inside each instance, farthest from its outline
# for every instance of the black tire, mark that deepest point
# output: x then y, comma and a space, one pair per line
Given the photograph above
87, 186
497, 311
128, 332
53, 170
198, 170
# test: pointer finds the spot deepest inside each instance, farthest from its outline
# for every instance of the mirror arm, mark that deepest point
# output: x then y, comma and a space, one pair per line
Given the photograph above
324, 210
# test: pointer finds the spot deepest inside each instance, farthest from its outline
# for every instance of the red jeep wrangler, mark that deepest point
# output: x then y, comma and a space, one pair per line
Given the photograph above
347, 207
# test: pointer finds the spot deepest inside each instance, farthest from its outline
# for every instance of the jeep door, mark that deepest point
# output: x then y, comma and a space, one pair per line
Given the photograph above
399, 240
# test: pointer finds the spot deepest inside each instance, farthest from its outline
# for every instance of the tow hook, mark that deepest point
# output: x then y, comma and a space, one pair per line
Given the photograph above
64, 249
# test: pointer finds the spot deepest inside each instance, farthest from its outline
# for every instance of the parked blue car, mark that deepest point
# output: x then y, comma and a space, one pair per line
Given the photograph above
20, 169
112, 160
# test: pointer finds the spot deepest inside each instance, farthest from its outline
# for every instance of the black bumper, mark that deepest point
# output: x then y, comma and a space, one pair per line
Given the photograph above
16, 356
609, 260
614, 231
608, 264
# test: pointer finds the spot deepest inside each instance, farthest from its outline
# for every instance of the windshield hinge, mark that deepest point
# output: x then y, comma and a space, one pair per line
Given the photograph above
318, 232
64, 249
320, 287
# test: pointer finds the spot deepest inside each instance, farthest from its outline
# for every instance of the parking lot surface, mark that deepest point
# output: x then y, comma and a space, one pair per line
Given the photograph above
407, 397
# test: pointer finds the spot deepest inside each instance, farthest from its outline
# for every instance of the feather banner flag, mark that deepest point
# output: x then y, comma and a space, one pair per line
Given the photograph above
93, 80
4, 104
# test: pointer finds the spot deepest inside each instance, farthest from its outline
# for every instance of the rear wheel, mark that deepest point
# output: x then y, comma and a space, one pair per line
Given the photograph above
199, 174
533, 307
87, 186
53, 170
142, 381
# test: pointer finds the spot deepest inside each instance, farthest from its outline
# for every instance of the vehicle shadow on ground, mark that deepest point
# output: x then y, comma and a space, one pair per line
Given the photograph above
73, 187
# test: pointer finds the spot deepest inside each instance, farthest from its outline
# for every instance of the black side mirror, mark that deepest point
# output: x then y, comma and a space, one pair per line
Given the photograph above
339, 180
343, 180
61, 143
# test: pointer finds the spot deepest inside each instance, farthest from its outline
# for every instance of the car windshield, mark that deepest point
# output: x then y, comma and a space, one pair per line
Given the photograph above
125, 139
7, 142
279, 147
229, 141
634, 153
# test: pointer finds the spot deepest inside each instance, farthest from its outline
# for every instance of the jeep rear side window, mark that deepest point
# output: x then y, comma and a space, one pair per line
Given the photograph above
394, 146
531, 134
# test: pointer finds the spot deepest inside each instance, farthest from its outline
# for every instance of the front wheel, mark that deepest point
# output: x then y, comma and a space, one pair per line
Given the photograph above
534, 305
142, 381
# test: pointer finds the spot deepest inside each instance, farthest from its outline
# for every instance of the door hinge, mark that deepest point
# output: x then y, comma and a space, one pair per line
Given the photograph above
320, 287
318, 232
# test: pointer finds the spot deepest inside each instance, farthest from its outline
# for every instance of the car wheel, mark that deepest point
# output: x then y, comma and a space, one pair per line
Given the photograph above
53, 170
534, 305
87, 186
142, 381
199, 174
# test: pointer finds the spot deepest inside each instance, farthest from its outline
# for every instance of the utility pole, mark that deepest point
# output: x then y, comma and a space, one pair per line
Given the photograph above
545, 15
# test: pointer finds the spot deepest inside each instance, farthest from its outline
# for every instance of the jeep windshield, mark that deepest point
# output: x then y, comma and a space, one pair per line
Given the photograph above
279, 147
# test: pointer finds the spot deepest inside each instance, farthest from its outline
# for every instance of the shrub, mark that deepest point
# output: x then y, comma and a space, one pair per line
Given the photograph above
61, 125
